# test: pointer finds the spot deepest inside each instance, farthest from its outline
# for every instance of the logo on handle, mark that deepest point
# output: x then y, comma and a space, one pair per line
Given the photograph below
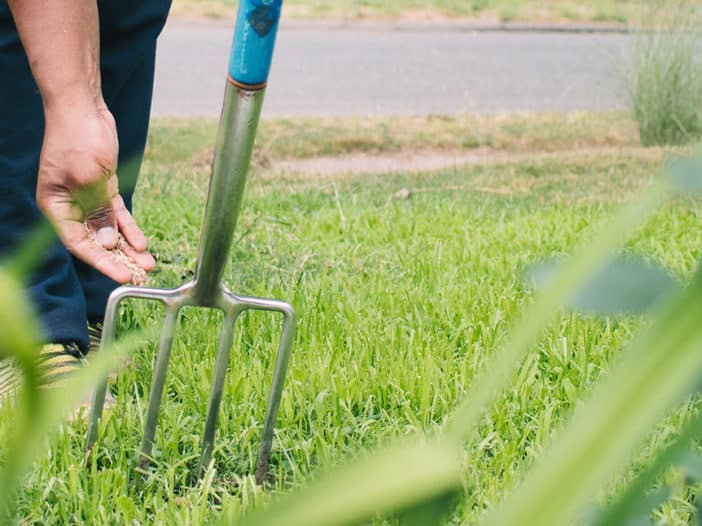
264, 16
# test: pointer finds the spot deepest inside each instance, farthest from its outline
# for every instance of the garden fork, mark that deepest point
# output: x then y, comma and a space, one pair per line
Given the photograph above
252, 51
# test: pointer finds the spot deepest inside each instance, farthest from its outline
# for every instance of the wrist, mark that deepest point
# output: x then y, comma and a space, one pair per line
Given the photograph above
71, 102
72, 89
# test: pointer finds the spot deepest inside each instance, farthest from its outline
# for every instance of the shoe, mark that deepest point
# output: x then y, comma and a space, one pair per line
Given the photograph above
57, 363
94, 335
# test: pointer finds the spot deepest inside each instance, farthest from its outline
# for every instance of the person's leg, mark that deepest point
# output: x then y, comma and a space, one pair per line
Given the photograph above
128, 32
53, 288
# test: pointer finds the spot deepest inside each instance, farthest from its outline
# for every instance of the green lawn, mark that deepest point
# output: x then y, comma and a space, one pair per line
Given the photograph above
400, 303
487, 10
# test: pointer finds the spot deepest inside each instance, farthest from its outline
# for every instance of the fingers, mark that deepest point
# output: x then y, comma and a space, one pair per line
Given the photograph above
104, 224
99, 244
143, 259
134, 243
77, 241
96, 201
130, 230
109, 222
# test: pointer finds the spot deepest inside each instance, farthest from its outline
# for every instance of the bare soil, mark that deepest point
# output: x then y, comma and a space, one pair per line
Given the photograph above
426, 161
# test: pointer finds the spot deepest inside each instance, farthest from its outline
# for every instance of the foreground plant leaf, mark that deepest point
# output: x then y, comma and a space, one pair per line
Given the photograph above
622, 285
691, 462
432, 513
30, 253
686, 175
635, 503
661, 367
20, 333
48, 409
38, 411
389, 481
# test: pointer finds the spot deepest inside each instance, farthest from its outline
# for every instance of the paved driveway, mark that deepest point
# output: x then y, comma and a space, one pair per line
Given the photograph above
360, 72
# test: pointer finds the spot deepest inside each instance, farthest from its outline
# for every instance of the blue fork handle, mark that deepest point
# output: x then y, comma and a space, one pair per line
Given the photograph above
254, 40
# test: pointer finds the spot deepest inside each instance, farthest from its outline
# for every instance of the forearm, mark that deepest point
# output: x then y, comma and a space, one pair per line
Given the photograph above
61, 40
77, 182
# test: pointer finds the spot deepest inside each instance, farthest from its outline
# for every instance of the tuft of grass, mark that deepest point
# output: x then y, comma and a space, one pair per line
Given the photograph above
665, 80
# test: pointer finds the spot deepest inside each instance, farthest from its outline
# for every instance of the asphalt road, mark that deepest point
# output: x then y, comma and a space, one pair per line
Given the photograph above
364, 72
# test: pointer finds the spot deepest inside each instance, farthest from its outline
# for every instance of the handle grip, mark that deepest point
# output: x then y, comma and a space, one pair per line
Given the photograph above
254, 40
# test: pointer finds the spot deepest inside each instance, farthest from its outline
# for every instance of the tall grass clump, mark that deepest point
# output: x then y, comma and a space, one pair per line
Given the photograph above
664, 83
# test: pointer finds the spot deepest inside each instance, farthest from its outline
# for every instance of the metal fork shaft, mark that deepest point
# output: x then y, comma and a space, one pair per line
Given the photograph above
235, 142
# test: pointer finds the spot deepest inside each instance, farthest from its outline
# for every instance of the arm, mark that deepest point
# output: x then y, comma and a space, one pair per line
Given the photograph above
77, 180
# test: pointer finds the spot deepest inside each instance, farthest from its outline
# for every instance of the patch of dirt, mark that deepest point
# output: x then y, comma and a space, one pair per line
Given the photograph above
428, 161
259, 160
362, 163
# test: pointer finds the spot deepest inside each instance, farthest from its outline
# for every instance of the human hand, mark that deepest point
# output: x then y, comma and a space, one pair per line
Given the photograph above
77, 187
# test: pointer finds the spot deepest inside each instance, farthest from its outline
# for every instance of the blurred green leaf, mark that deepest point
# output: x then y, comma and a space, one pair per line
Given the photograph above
686, 175
387, 482
29, 255
38, 411
691, 463
432, 513
638, 512
636, 503
622, 285
20, 333
48, 409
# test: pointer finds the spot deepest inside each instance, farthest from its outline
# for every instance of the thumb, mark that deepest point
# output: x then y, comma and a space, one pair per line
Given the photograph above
103, 223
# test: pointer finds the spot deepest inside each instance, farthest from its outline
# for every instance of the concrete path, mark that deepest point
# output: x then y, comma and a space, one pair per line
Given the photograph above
320, 71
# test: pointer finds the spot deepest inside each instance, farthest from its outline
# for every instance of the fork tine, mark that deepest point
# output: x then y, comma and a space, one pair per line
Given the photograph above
109, 332
281, 366
159, 380
219, 376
